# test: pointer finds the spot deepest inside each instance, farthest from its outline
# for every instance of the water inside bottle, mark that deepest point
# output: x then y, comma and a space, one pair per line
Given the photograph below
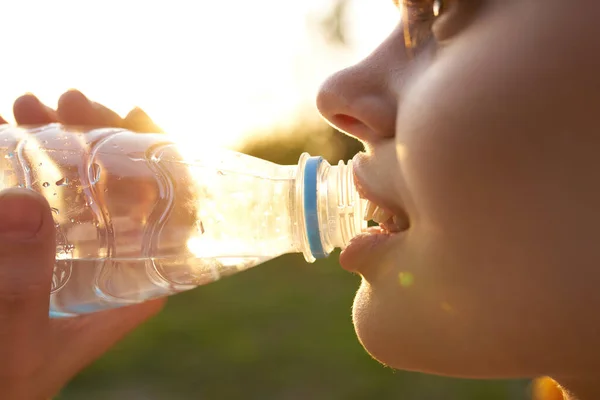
93, 285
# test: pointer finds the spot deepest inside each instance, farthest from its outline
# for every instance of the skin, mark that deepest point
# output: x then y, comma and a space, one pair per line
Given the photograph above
486, 139
39, 356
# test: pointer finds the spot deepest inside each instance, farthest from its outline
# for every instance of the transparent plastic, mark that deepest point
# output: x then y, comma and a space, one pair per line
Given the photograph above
136, 220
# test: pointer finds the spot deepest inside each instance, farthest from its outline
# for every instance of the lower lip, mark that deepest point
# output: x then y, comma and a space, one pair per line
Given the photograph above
364, 247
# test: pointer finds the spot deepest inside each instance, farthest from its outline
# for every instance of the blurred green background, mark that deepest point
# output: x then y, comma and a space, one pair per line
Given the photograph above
282, 330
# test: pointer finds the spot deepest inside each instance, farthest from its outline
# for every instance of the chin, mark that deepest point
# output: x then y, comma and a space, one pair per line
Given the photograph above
378, 331
387, 317
400, 332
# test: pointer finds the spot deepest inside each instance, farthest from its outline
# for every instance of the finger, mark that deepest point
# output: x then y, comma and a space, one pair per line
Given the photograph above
2, 121
138, 121
27, 254
80, 340
29, 110
74, 108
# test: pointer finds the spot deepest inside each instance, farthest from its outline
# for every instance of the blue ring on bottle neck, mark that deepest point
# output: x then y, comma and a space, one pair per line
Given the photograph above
311, 216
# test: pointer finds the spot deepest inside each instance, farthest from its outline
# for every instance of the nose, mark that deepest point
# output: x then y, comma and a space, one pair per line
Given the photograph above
362, 100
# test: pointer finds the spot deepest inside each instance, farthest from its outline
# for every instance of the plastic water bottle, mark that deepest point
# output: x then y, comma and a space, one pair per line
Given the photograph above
136, 219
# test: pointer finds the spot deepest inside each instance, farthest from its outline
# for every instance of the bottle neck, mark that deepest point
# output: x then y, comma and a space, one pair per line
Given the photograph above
328, 210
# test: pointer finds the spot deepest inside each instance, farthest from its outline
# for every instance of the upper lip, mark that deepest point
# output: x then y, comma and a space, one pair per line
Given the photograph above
382, 197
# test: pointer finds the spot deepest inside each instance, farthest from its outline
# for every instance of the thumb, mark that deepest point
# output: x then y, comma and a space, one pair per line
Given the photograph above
27, 253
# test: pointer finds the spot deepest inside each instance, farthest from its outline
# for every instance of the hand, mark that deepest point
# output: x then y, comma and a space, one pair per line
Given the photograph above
38, 355
76, 109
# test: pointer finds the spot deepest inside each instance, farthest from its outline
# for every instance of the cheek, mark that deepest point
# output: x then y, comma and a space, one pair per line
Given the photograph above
494, 200
498, 183
497, 140
502, 174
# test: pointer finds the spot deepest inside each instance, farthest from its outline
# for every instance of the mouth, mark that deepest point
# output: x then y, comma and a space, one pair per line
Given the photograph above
388, 221
391, 220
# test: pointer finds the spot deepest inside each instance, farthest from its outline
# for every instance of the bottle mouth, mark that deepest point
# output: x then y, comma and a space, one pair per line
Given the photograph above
332, 208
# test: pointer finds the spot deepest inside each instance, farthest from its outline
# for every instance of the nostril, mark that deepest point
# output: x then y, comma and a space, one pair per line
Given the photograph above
345, 119
346, 122
352, 126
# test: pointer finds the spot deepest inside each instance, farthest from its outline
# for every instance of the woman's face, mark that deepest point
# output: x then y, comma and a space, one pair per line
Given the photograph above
485, 144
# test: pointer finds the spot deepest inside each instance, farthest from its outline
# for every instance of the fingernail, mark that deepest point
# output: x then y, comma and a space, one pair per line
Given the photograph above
21, 214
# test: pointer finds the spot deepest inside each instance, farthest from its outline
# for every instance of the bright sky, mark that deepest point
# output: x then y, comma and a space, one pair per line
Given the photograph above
215, 69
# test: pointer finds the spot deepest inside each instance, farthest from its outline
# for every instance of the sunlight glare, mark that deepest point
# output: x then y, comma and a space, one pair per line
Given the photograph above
208, 72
